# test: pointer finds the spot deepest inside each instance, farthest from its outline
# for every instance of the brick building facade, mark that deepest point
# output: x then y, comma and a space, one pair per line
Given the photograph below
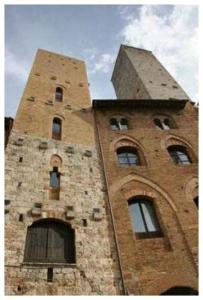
102, 199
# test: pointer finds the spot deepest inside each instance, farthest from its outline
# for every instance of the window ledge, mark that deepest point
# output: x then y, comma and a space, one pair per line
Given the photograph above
51, 265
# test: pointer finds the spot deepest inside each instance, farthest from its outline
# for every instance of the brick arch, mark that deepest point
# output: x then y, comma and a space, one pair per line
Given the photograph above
174, 140
119, 184
164, 283
125, 140
191, 188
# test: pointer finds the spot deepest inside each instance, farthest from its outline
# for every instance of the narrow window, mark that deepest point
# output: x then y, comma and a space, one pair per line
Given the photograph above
123, 124
84, 222
59, 94
20, 218
143, 217
55, 178
50, 275
179, 155
196, 201
20, 159
128, 156
114, 124
158, 124
56, 129
166, 124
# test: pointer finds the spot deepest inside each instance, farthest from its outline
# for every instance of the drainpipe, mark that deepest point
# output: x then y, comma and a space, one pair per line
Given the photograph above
111, 211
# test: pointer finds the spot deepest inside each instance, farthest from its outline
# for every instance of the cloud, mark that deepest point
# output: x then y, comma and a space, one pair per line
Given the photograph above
172, 35
16, 67
103, 63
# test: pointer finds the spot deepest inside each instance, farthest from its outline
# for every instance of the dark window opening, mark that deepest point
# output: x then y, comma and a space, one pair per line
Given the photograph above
118, 124
179, 155
50, 275
128, 156
196, 201
21, 217
158, 124
124, 124
84, 222
56, 129
50, 241
20, 159
114, 124
144, 219
180, 291
59, 94
164, 124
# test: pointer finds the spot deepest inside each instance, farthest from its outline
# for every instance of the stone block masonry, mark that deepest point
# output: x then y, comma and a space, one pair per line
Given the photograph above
82, 186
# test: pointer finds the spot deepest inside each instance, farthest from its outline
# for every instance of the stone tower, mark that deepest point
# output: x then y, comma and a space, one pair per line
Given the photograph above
58, 233
148, 140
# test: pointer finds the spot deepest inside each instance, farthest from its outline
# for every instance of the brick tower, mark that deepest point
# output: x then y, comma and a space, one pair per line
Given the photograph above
58, 233
148, 141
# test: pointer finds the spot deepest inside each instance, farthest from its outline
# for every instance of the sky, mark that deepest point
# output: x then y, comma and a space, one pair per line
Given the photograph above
94, 34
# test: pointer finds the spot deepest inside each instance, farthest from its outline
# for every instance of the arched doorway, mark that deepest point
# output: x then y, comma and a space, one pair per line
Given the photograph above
180, 290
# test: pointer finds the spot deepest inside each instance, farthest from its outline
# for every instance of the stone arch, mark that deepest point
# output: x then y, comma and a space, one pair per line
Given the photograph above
51, 214
56, 161
174, 140
134, 177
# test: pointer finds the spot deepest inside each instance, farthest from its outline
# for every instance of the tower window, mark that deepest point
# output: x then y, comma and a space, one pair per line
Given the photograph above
143, 217
56, 129
179, 155
59, 94
55, 178
162, 123
118, 124
51, 242
114, 124
128, 156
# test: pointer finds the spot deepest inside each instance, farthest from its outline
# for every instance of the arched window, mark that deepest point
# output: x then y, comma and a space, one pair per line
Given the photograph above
128, 156
179, 155
118, 123
163, 123
56, 129
59, 94
50, 241
54, 190
143, 217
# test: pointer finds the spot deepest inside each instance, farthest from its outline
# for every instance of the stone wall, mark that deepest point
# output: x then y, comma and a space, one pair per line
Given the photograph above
82, 186
139, 75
